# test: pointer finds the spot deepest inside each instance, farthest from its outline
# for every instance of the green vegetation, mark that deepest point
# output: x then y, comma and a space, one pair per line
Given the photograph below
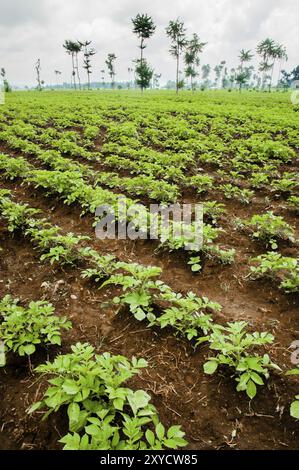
235, 347
282, 269
22, 329
103, 414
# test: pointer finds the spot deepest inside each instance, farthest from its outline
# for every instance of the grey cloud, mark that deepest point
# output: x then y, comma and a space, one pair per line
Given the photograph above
20, 12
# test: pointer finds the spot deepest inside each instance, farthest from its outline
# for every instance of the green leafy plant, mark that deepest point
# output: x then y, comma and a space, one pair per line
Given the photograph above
189, 315
103, 414
140, 288
16, 215
234, 192
279, 268
13, 167
195, 263
65, 250
201, 183
294, 202
213, 210
286, 184
103, 266
270, 228
24, 328
181, 236
259, 180
236, 350
224, 256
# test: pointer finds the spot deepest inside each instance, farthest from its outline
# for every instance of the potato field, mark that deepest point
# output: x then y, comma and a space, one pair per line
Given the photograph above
140, 343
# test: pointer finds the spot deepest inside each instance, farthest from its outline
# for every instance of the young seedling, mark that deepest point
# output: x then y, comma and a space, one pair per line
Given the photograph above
22, 329
234, 192
270, 228
16, 215
235, 348
279, 268
103, 265
190, 315
213, 210
140, 287
102, 412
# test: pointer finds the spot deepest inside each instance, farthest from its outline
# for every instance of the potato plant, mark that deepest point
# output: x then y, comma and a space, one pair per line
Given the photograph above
270, 229
103, 413
282, 269
236, 348
23, 329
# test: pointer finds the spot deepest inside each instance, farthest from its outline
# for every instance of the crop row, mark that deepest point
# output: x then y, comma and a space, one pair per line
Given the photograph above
143, 292
267, 228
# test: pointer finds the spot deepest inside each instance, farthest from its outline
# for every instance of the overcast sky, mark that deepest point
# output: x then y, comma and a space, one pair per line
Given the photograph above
31, 29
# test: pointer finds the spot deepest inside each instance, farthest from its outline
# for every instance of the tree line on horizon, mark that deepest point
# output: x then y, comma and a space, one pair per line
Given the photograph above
186, 52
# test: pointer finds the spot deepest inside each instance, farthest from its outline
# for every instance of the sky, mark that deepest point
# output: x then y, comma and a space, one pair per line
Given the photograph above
32, 29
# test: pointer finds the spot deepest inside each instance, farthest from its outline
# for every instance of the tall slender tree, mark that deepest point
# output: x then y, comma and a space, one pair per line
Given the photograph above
78, 49
144, 28
193, 48
206, 70
176, 31
265, 68
156, 80
218, 72
38, 77
88, 53
268, 51
7, 87
286, 79
58, 74
245, 56
103, 77
281, 55
205, 73
110, 62
232, 77
130, 71
71, 48
243, 74
225, 80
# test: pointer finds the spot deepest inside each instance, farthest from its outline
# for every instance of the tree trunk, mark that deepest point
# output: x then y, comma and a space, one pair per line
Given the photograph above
271, 79
141, 58
279, 74
73, 72
77, 68
177, 69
